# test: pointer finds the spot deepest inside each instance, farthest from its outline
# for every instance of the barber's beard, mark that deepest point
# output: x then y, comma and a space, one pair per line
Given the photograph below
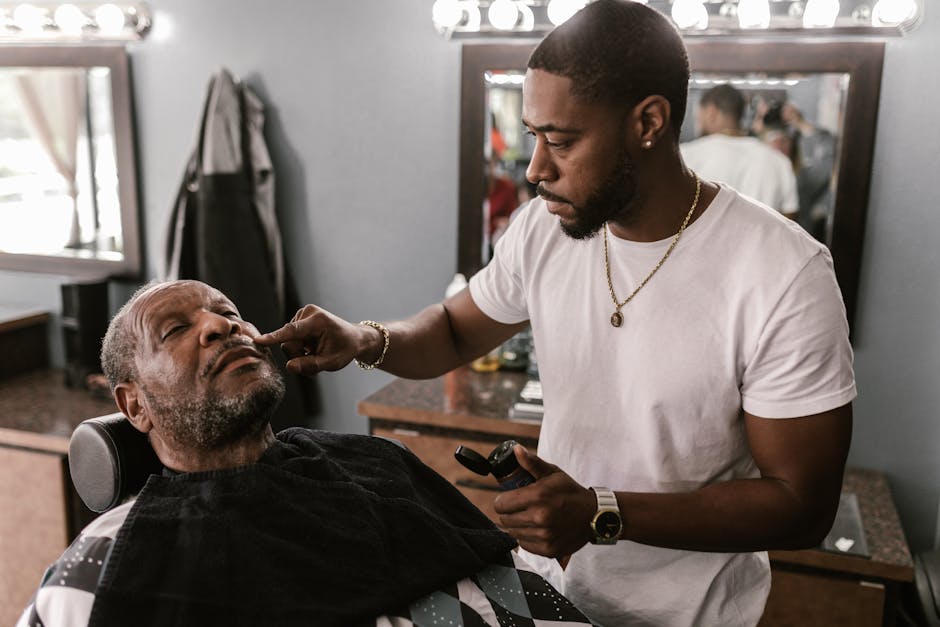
611, 200
211, 420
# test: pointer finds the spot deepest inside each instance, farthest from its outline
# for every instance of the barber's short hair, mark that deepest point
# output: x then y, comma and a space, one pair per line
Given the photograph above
619, 52
119, 347
727, 99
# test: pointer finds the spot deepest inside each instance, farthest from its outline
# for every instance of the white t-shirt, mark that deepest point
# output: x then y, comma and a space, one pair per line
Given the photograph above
748, 165
745, 313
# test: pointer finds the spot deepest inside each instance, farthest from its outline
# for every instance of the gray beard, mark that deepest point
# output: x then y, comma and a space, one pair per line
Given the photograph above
212, 421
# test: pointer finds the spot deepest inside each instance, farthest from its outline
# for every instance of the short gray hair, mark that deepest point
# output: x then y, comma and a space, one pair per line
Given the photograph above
119, 346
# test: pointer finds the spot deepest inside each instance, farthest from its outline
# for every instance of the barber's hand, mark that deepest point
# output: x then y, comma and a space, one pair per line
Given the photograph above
550, 517
315, 340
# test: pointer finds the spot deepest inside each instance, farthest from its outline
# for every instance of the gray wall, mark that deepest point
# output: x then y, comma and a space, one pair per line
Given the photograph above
363, 117
897, 348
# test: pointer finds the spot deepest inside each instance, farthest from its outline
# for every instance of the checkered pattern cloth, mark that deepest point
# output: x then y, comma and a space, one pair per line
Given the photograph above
506, 594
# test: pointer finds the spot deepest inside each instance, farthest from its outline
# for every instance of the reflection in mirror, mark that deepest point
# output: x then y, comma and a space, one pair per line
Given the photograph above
507, 152
67, 190
801, 116
817, 101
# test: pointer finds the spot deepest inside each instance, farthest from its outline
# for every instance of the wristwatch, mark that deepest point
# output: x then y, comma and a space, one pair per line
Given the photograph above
606, 524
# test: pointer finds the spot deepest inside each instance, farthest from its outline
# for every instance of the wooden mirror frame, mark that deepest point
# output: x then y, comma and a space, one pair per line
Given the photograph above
861, 60
113, 57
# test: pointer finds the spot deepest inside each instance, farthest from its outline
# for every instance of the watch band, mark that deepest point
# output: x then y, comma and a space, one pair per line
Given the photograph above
606, 524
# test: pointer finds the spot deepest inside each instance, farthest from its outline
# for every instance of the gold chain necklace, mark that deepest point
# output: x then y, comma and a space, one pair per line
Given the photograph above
616, 319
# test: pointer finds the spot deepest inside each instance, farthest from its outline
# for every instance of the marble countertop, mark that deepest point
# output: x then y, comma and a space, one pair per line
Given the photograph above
461, 399
37, 408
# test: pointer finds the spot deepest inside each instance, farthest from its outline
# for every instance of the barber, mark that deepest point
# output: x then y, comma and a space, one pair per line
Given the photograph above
693, 346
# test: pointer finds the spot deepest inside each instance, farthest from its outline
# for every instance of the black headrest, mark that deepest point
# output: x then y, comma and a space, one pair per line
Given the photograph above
109, 460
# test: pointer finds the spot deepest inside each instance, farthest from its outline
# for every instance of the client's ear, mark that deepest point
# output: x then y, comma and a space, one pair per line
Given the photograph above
127, 396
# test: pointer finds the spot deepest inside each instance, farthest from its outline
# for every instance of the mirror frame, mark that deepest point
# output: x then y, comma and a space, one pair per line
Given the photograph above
861, 60
114, 57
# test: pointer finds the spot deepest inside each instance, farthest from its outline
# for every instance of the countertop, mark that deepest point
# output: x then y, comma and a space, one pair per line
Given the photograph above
461, 399
38, 411
18, 316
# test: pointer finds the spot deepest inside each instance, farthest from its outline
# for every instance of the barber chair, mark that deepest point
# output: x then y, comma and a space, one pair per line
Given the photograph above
109, 460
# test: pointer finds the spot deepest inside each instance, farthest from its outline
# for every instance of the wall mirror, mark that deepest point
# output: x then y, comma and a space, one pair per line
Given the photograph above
834, 85
68, 190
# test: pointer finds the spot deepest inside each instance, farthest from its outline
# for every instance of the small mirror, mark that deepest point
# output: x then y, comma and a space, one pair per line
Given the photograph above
68, 193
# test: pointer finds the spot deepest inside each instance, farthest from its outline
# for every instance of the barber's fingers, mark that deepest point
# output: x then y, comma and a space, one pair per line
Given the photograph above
541, 533
536, 466
295, 348
305, 327
549, 517
310, 364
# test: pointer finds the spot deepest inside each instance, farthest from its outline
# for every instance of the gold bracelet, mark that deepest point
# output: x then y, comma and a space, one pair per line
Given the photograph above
384, 331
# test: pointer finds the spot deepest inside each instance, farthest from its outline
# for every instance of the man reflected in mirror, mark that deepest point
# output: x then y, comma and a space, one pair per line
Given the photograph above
725, 152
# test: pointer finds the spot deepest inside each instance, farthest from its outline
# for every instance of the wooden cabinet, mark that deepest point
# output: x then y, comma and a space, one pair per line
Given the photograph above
40, 513
811, 598
34, 528
23, 340
809, 588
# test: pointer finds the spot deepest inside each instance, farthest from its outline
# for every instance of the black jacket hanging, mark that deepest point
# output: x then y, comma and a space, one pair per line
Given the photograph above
223, 229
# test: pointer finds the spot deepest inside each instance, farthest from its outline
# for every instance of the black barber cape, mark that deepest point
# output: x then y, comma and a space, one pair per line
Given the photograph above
326, 529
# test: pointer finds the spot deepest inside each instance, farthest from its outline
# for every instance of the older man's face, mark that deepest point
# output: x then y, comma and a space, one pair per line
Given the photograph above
204, 382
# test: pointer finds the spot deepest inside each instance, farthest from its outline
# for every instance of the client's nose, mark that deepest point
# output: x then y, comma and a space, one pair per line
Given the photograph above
214, 327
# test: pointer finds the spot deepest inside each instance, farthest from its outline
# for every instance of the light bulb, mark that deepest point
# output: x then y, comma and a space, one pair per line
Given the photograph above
820, 13
503, 14
110, 19
559, 11
70, 19
446, 13
690, 14
29, 18
893, 12
754, 14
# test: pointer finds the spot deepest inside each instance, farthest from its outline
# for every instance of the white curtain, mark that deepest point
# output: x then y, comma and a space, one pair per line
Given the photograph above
54, 103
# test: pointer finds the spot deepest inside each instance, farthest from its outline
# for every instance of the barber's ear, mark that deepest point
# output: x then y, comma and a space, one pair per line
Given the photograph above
652, 119
127, 397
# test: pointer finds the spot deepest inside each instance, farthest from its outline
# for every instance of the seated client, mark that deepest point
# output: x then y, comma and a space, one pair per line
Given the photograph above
245, 527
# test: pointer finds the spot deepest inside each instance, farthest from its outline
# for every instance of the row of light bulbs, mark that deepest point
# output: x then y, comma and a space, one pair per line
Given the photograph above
74, 21
756, 14
466, 16
516, 79
505, 15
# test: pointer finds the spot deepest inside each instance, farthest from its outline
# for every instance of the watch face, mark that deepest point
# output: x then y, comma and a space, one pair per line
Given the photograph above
607, 524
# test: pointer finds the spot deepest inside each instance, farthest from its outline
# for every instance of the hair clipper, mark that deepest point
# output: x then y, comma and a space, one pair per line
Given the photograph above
501, 463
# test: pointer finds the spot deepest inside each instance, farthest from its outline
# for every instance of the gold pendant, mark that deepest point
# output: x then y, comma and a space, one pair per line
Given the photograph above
616, 319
